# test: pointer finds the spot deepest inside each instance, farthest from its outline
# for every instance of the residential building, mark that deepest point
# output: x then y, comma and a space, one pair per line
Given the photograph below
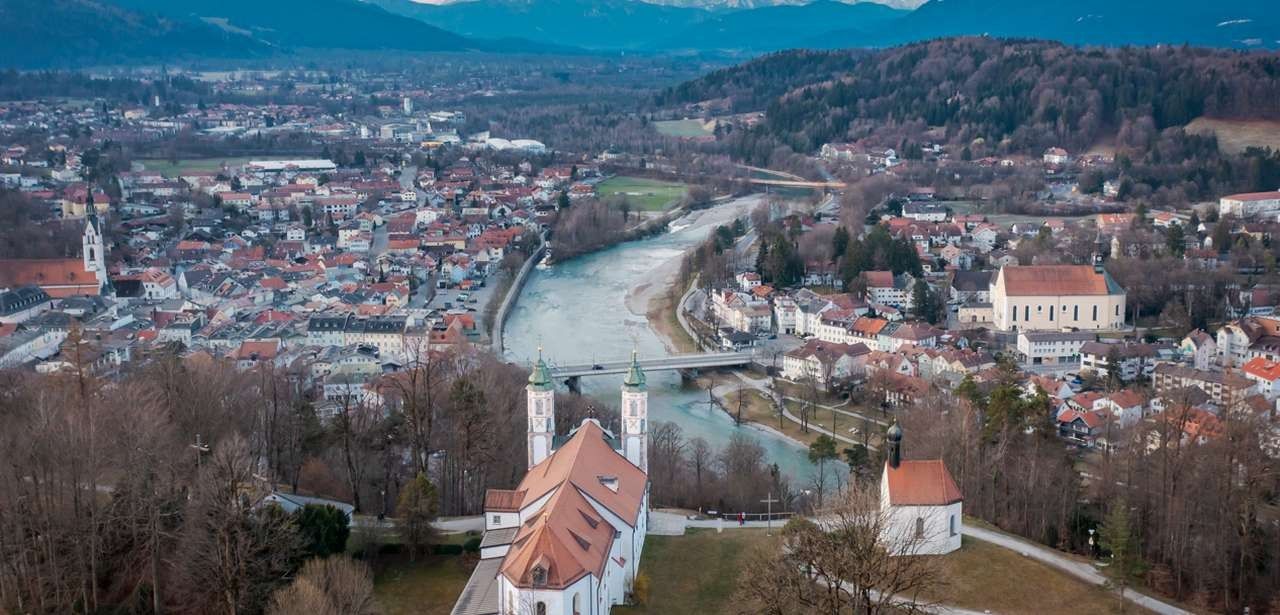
1200, 348
1250, 205
1134, 360
1081, 427
884, 288
1266, 373
825, 363
1249, 337
1225, 389
1052, 347
22, 304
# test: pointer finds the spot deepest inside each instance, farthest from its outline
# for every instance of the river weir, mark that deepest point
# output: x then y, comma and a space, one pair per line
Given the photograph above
592, 309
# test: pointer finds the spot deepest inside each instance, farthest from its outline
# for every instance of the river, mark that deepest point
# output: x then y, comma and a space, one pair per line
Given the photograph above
577, 312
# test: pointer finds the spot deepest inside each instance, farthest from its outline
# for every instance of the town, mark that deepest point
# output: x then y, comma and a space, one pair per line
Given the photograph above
512, 363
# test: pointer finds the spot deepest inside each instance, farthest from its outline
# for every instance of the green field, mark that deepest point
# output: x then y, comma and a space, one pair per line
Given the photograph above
643, 194
429, 586
683, 128
694, 574
172, 169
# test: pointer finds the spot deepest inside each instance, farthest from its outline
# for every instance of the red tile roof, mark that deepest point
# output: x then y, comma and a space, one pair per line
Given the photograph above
1261, 367
921, 483
1056, 280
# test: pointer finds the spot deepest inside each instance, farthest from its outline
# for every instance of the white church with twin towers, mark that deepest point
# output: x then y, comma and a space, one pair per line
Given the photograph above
568, 539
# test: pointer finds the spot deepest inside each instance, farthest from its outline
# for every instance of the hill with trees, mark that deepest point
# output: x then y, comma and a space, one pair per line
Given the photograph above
62, 33
79, 33
1002, 95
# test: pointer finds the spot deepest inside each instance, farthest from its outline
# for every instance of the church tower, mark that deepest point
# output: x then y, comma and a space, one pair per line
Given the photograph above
635, 417
92, 248
542, 412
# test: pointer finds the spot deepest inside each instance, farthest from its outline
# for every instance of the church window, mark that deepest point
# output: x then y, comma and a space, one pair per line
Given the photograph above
1075, 312
1051, 313
497, 519
1026, 312
1015, 313
542, 608
539, 576
577, 610
953, 525
1095, 312
919, 527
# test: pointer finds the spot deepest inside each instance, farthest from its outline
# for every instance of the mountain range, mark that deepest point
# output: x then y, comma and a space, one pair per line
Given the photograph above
65, 33
643, 26
1228, 23
678, 25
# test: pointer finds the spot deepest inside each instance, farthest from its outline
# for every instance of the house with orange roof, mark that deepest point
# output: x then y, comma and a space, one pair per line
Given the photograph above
1080, 427
921, 504
1266, 373
1126, 406
257, 352
568, 539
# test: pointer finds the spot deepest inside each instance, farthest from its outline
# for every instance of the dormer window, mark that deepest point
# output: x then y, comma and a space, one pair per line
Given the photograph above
539, 575
610, 482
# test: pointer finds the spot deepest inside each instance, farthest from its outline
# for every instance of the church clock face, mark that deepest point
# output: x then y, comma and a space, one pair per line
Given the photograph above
633, 425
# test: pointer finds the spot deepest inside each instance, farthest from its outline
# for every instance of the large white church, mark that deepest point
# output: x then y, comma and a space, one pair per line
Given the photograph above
567, 540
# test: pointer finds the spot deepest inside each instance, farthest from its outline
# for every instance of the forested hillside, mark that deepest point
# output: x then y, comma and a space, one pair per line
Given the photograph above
1006, 95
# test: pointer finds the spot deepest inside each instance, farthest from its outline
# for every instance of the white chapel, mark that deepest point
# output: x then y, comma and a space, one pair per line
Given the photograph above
921, 503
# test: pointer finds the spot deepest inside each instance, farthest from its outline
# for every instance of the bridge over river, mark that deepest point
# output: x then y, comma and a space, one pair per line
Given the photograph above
683, 363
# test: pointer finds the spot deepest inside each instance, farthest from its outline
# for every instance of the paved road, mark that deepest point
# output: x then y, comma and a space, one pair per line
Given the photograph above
454, 525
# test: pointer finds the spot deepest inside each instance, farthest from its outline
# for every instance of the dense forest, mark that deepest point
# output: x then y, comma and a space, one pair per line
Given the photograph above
1015, 96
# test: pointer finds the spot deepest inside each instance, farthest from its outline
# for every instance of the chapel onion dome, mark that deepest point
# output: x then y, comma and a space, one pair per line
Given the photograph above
635, 376
895, 433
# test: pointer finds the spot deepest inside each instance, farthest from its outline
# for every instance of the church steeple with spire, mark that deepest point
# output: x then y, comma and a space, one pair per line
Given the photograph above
542, 412
93, 250
635, 416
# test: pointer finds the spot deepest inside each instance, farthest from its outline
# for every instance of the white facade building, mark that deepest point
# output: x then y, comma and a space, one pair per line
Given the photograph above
1250, 205
920, 502
568, 539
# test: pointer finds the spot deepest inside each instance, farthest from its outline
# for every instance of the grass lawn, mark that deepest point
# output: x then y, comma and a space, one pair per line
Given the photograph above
982, 576
1235, 136
429, 586
684, 128
169, 169
644, 194
694, 574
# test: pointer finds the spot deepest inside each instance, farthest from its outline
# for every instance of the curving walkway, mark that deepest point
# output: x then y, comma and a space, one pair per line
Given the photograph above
1055, 559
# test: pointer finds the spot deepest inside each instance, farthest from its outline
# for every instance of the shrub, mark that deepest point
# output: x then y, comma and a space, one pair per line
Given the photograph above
640, 589
324, 529
471, 545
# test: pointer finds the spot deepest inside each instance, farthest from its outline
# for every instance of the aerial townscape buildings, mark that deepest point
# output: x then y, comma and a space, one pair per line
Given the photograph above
569, 334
